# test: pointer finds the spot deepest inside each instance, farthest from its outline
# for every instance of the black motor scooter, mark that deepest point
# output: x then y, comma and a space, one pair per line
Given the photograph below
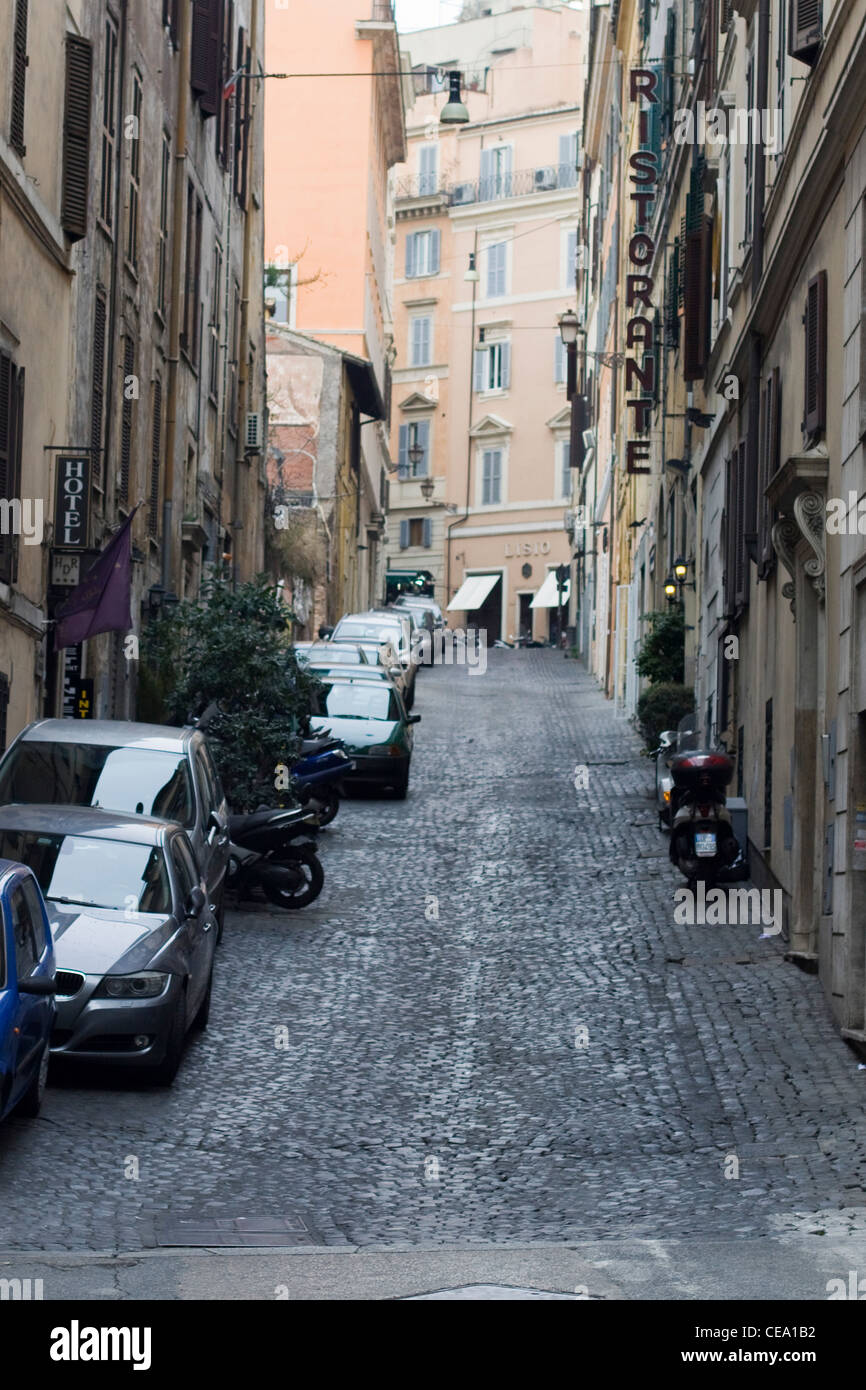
703, 843
276, 850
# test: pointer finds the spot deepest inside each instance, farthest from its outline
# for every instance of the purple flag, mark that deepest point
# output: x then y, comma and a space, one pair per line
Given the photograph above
101, 602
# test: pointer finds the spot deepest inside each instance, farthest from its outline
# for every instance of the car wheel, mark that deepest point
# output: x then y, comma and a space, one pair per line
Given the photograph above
166, 1071
202, 1018
31, 1101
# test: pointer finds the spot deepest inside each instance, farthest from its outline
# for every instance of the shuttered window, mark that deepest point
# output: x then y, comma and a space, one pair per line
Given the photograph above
491, 477
741, 566
415, 433
109, 126
126, 418
134, 176
19, 77
771, 417
815, 320
421, 341
97, 395
422, 254
243, 111
224, 115
497, 269
162, 234
207, 29
75, 175
170, 18
569, 148
697, 289
11, 435
805, 29
428, 169
189, 337
155, 459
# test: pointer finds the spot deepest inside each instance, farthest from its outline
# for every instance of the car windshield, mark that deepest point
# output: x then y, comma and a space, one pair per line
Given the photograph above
142, 781
368, 701
78, 870
372, 631
335, 656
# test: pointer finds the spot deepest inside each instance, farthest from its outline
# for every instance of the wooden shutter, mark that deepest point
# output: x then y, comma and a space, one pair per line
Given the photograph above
126, 418
207, 25
741, 567
404, 534
805, 29
155, 458
223, 120
243, 109
76, 137
422, 437
697, 290
505, 369
97, 396
730, 530
11, 436
19, 77
411, 255
480, 380
427, 530
434, 251
770, 434
815, 402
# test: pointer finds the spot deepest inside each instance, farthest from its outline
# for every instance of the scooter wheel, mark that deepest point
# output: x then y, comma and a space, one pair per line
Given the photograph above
330, 808
311, 882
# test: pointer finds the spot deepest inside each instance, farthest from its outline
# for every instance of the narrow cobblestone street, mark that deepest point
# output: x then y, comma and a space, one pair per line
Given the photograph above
430, 1088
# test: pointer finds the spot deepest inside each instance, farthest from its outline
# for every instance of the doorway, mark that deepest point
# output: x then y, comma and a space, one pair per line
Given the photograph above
488, 618
524, 615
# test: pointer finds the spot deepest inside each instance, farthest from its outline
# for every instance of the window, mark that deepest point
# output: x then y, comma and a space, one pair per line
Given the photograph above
19, 78
495, 173
155, 457
428, 167
75, 174
815, 320
97, 392
493, 367
243, 115
422, 254
416, 531
126, 418
806, 28
563, 451
170, 18
11, 432
768, 464
421, 341
569, 147
162, 231
417, 432
569, 269
189, 338
109, 126
497, 267
560, 360
781, 76
27, 945
224, 115
214, 323
134, 175
750, 151
491, 477
207, 18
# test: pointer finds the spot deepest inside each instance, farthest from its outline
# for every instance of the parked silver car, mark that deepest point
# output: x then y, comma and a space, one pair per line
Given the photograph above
383, 626
134, 935
144, 769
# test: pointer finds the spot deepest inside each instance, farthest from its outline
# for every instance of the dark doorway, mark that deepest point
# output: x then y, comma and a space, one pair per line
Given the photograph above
488, 618
525, 623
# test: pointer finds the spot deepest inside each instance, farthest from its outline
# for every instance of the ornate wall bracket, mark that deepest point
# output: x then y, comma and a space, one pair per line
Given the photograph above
785, 535
798, 490
809, 513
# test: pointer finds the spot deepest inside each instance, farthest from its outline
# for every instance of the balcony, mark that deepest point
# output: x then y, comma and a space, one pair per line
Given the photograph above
520, 184
421, 186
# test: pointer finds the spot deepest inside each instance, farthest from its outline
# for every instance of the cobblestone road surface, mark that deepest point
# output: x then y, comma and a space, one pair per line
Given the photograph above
431, 1089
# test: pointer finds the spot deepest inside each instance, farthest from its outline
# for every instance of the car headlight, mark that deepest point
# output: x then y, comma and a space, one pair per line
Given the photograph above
146, 984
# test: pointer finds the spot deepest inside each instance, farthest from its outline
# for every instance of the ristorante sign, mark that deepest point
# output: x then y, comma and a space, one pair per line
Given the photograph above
639, 330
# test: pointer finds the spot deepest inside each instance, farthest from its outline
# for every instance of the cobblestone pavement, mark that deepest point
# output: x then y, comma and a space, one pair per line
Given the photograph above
431, 1089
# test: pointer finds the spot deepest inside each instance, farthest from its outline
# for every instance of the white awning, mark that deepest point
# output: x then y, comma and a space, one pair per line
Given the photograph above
548, 594
472, 592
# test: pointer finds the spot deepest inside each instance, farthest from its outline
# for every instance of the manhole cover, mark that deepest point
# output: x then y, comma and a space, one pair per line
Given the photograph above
239, 1231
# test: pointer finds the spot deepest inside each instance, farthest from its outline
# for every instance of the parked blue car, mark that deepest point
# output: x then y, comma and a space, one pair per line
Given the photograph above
27, 989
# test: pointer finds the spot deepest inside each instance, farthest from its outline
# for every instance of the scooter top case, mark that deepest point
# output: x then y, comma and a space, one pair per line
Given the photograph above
692, 771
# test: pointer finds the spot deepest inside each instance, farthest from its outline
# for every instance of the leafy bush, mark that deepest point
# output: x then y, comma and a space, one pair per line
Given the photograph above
230, 650
662, 707
662, 651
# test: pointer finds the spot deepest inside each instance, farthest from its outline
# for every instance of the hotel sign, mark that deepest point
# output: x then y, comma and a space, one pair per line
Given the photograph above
72, 501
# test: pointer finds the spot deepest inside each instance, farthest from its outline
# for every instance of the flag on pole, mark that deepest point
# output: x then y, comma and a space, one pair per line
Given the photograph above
101, 602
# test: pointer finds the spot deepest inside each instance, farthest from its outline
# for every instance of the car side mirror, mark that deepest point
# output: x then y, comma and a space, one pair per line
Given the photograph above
39, 984
413, 719
195, 902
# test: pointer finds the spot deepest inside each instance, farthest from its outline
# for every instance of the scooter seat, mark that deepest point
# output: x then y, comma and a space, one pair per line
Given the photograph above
257, 820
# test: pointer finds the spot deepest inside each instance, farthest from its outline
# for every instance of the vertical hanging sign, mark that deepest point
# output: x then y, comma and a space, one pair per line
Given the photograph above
639, 286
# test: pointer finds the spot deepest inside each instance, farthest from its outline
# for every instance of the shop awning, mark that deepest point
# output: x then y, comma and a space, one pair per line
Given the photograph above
548, 594
472, 592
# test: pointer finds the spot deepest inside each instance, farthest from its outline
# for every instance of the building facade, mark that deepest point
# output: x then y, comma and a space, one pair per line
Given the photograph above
485, 266
132, 180
329, 250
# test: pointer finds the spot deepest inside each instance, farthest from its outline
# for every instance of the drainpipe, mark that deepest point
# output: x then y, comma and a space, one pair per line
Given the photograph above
461, 520
755, 340
174, 313
243, 370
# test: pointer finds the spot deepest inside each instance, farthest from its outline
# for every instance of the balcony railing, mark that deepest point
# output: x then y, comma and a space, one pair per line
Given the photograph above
421, 186
489, 189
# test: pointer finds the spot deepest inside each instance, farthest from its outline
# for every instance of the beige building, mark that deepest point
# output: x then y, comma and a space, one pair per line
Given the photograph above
479, 407
329, 254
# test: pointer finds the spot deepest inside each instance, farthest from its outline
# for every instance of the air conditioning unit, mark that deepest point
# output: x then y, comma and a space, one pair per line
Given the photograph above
588, 438
253, 433
462, 193
545, 179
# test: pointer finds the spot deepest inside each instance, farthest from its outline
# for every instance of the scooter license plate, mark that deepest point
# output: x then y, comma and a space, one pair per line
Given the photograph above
705, 843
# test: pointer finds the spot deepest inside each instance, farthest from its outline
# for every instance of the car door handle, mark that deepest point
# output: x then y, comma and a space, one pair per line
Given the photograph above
206, 926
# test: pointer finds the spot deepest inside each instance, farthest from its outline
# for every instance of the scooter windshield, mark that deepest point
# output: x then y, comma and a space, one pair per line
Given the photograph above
689, 736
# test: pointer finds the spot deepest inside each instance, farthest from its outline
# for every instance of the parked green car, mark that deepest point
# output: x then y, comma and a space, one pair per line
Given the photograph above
371, 719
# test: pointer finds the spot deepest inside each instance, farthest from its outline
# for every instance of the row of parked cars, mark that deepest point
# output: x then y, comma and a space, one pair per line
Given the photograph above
368, 667
114, 847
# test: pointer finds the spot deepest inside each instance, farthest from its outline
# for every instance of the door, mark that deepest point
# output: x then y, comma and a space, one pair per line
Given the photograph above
212, 847
524, 622
488, 618
198, 932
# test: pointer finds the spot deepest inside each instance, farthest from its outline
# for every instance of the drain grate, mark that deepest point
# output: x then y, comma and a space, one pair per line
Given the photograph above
237, 1231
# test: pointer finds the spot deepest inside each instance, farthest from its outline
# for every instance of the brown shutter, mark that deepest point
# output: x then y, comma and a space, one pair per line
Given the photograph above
6, 376
697, 292
19, 78
769, 467
17, 451
805, 29
76, 136
155, 458
126, 419
741, 567
97, 398
815, 403
207, 28
728, 549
